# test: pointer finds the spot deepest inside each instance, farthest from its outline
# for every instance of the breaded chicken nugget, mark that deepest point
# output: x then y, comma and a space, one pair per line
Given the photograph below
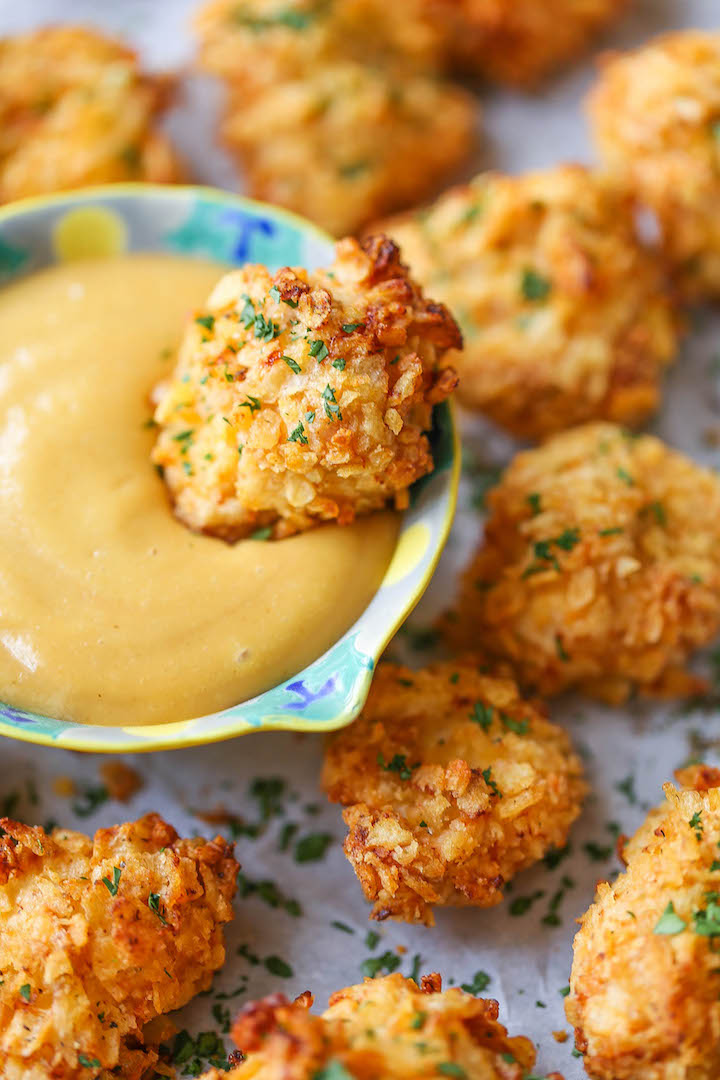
521, 41
347, 142
98, 937
565, 317
75, 109
335, 109
645, 983
452, 783
600, 566
382, 1029
257, 42
304, 397
656, 118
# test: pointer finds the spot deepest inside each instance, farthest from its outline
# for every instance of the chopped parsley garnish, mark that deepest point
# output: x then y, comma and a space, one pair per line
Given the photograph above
88, 1063
398, 763
334, 1070
298, 434
292, 364
90, 799
519, 727
332, 409
319, 350
707, 922
534, 500
534, 286
659, 511
268, 892
564, 991
545, 557
521, 904
253, 404
309, 417
669, 922
263, 533
626, 787
373, 965
449, 1068
277, 966
183, 436
112, 886
616, 531
248, 312
339, 363
372, 939
487, 777
482, 714
561, 650
312, 847
417, 1020
597, 852
342, 926
625, 476
480, 982
264, 329
153, 903
208, 321
25, 992
351, 327
275, 294
696, 825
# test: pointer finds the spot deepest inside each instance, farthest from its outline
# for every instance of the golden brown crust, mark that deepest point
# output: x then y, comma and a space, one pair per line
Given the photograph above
645, 980
382, 1029
98, 937
519, 42
655, 113
75, 109
324, 382
565, 317
452, 784
600, 566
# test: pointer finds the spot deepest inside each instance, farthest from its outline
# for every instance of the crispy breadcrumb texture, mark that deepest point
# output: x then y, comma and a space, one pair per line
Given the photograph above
566, 318
303, 397
519, 42
337, 111
600, 566
346, 142
381, 1029
76, 109
656, 118
645, 982
452, 783
100, 936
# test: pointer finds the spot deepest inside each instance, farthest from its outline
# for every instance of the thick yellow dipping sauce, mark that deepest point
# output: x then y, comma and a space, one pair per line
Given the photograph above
111, 611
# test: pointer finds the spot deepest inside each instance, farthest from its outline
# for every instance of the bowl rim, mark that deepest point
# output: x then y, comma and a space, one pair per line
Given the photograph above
87, 738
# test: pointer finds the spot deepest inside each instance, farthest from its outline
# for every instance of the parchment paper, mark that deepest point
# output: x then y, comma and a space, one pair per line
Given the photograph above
524, 946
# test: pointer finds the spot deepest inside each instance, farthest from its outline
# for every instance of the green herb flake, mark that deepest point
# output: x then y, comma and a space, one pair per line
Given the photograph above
521, 904
263, 533
351, 327
487, 777
625, 476
398, 764
253, 404
298, 434
332, 409
449, 1068
534, 286
334, 1070
112, 886
153, 902
615, 531
277, 966
88, 1063
25, 992
669, 922
480, 982
312, 847
534, 501
518, 727
292, 364
417, 1020
483, 715
373, 965
319, 350
207, 321
339, 363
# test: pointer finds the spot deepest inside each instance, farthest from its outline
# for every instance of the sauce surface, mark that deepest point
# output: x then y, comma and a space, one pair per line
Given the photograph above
111, 611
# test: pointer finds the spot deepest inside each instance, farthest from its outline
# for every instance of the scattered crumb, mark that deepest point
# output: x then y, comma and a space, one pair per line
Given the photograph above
64, 786
121, 781
560, 1036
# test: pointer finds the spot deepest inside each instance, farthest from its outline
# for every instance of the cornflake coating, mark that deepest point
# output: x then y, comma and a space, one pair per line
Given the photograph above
600, 566
382, 1029
305, 396
521, 41
565, 317
452, 783
75, 109
645, 982
99, 937
347, 142
656, 119
336, 110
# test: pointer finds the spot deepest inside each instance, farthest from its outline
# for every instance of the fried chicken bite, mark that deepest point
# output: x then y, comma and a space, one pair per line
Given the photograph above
346, 142
656, 118
99, 937
75, 109
451, 784
519, 42
381, 1029
645, 982
565, 317
600, 567
337, 110
303, 397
